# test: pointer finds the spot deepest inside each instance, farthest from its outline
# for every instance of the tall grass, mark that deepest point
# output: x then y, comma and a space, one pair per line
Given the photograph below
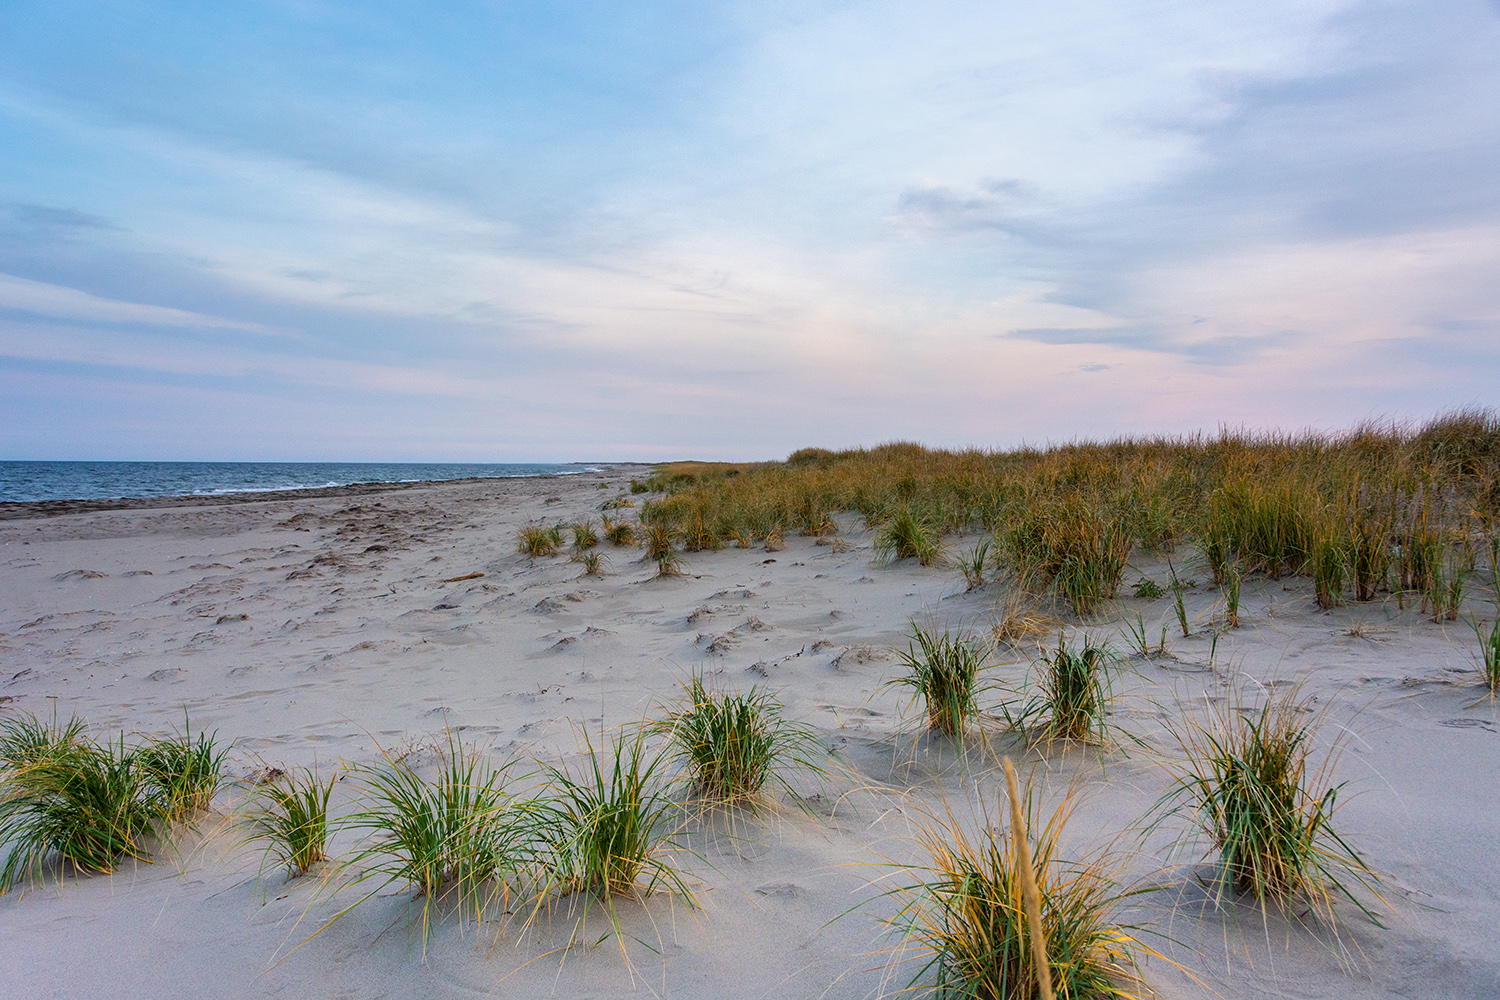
942, 671
1489, 654
1073, 702
1065, 519
70, 800
292, 821
973, 564
731, 745
966, 914
619, 533
462, 836
534, 541
1246, 780
584, 536
907, 535
185, 773
609, 825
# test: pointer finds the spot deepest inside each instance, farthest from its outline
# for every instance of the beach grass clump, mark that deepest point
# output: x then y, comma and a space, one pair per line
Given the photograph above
292, 821
185, 773
1233, 580
535, 541
1179, 604
25, 738
1489, 654
1329, 561
967, 914
942, 671
1449, 579
905, 535
1076, 545
610, 824
65, 798
1246, 780
1075, 691
462, 836
592, 562
731, 745
1367, 542
657, 539
585, 536
973, 564
619, 533
1138, 638
1265, 525
661, 548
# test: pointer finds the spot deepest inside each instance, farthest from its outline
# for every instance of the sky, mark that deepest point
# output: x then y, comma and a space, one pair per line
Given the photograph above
397, 231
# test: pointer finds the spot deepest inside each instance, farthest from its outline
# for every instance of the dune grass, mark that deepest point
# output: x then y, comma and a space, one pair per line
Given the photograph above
609, 825
965, 917
1245, 779
70, 800
592, 562
1232, 582
535, 542
731, 745
907, 535
1356, 512
1073, 697
1489, 654
292, 821
186, 773
619, 533
461, 836
973, 564
942, 671
584, 536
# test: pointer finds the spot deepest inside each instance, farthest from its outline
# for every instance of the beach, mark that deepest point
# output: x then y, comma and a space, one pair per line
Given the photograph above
321, 629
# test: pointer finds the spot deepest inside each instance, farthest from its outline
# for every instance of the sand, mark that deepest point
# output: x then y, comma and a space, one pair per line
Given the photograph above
314, 630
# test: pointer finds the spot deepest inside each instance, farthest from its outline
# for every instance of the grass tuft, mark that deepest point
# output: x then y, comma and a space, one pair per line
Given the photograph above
534, 541
293, 822
619, 533
70, 800
1246, 780
609, 825
584, 536
973, 564
462, 836
1489, 654
1072, 702
906, 535
592, 563
967, 915
943, 672
731, 745
185, 773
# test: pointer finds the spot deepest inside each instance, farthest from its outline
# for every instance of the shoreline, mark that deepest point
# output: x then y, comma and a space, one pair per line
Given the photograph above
25, 510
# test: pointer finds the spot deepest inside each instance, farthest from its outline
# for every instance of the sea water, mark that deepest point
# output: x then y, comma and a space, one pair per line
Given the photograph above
108, 480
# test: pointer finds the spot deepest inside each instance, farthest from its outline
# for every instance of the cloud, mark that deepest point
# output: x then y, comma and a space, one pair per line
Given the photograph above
56, 219
60, 303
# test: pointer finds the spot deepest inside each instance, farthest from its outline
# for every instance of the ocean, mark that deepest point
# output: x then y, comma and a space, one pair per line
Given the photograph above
29, 481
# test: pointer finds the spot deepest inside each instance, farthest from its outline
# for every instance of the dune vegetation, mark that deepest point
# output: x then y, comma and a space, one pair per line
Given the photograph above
1383, 508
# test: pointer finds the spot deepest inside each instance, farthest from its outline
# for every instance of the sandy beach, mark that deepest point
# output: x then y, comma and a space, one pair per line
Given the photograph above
315, 630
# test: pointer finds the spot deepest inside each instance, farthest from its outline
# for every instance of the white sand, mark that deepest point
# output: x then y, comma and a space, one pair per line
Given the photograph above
275, 623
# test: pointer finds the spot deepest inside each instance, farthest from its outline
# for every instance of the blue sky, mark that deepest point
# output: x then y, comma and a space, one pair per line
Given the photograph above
501, 231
